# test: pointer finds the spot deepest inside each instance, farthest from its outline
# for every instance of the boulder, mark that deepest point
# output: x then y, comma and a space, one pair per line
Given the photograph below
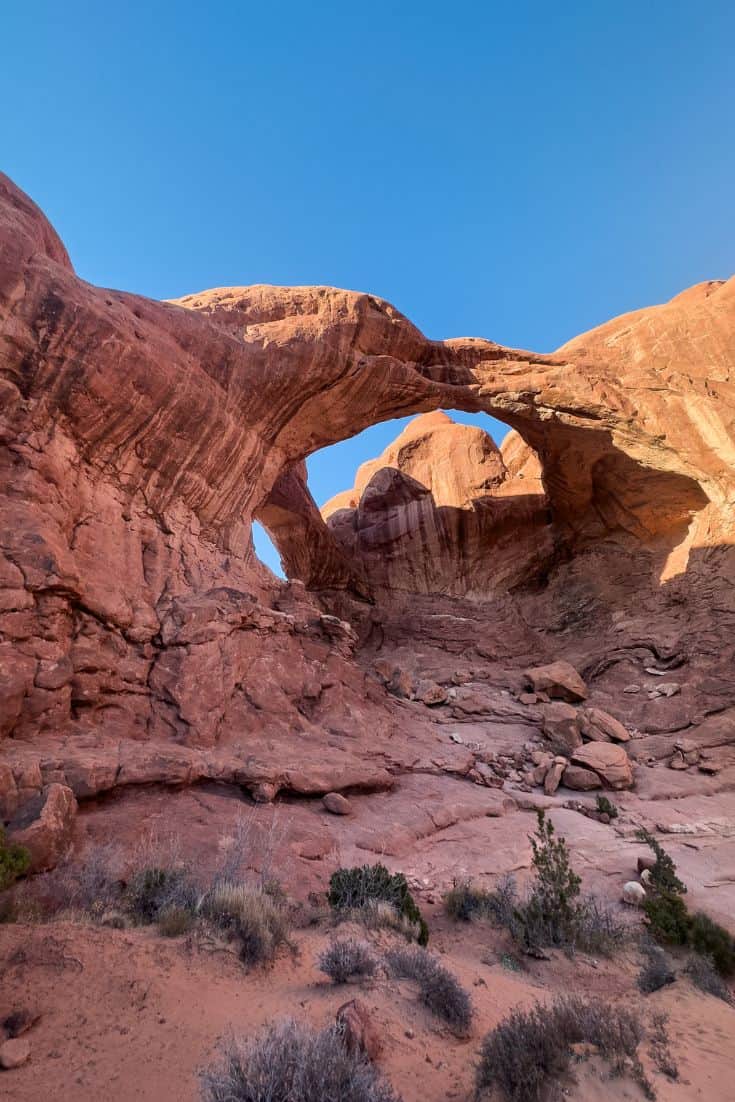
560, 680
14, 1053
538, 773
44, 826
357, 1029
634, 894
430, 693
688, 749
553, 777
337, 804
581, 780
561, 726
600, 726
646, 861
264, 793
608, 760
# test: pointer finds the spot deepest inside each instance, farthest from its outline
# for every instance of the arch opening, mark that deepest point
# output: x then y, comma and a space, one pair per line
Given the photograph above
444, 501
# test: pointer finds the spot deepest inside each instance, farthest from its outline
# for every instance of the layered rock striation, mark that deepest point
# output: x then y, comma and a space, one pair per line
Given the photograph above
140, 638
439, 512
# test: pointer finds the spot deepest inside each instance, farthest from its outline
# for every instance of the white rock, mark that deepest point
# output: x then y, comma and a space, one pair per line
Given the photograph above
634, 893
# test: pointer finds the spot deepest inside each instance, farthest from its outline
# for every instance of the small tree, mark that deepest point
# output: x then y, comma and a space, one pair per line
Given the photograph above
553, 911
663, 874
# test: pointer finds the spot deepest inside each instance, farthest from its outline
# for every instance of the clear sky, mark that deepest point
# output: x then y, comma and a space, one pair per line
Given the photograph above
517, 170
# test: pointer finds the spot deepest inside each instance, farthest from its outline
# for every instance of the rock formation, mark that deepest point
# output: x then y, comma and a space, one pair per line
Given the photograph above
439, 512
140, 638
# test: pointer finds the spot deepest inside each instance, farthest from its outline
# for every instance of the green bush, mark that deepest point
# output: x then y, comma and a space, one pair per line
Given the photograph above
711, 940
668, 918
14, 862
352, 889
663, 877
555, 912
671, 922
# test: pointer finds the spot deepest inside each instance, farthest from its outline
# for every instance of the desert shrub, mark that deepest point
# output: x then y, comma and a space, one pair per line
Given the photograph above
94, 884
667, 914
15, 861
173, 921
668, 917
555, 912
531, 1048
657, 970
711, 940
379, 915
606, 807
670, 920
342, 960
705, 976
290, 1062
663, 877
258, 920
153, 891
660, 1050
352, 889
439, 990
463, 901
557, 886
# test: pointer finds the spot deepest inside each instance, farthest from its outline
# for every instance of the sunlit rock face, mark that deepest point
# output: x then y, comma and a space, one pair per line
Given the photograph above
140, 638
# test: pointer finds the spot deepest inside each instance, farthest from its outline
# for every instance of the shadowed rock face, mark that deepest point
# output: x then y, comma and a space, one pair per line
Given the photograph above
141, 639
439, 512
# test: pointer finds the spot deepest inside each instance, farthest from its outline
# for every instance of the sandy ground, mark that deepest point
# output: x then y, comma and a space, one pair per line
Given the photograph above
128, 1015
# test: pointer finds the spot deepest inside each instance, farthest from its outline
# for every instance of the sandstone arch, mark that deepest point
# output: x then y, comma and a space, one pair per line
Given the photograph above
139, 438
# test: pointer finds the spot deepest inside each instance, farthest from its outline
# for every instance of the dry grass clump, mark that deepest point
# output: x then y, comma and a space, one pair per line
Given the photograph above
291, 1062
439, 990
256, 918
174, 921
156, 891
344, 960
532, 1048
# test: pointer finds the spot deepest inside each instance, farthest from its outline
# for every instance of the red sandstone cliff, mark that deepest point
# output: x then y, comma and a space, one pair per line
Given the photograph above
140, 639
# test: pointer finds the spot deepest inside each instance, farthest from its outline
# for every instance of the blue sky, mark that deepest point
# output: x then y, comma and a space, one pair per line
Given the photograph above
521, 171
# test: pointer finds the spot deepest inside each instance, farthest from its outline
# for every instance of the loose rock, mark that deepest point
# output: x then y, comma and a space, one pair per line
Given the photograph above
14, 1053
581, 780
358, 1032
559, 679
337, 803
608, 760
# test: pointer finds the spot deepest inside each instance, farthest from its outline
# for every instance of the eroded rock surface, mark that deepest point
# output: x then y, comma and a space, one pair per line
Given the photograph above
141, 641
